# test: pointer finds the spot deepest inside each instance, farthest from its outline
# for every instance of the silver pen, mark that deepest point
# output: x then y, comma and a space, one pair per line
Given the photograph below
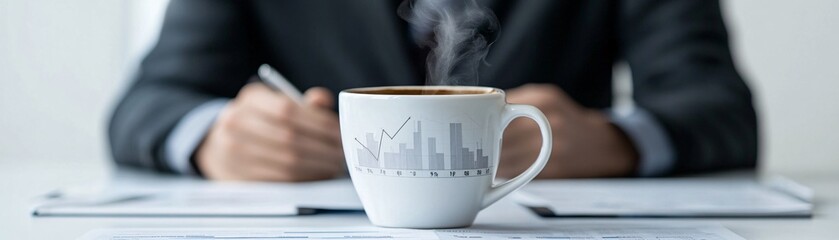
279, 83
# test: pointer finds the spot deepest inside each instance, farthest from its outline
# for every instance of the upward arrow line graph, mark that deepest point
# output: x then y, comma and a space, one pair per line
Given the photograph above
381, 137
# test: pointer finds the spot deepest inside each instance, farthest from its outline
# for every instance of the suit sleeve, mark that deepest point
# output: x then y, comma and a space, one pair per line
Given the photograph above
683, 74
204, 52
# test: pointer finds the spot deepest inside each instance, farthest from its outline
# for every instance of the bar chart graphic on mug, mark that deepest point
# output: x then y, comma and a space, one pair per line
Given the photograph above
417, 148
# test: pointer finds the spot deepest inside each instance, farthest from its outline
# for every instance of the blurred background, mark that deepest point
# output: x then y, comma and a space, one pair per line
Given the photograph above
63, 64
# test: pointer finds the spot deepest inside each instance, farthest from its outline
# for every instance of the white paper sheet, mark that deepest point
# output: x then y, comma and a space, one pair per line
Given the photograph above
565, 231
594, 231
662, 197
355, 233
205, 199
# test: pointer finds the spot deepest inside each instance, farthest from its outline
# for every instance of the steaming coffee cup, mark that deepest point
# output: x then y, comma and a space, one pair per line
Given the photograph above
426, 156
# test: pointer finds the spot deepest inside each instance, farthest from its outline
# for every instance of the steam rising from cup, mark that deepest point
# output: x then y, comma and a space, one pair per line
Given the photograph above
458, 33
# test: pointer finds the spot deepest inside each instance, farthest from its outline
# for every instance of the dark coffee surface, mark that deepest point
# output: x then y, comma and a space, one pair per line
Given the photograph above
423, 91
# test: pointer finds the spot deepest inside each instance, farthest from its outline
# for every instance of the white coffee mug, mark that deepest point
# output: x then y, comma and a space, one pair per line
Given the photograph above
423, 160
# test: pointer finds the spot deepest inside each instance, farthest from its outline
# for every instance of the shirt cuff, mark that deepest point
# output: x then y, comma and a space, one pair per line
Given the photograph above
650, 140
188, 133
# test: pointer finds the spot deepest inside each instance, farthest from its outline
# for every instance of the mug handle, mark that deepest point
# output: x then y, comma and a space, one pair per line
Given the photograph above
511, 112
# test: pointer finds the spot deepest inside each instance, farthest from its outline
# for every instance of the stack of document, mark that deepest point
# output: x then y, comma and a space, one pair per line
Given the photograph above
680, 197
204, 199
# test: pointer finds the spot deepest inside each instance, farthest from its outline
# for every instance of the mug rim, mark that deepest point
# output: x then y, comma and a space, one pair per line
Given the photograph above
491, 91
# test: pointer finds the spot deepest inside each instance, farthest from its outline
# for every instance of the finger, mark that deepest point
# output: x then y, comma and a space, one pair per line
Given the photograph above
258, 137
275, 106
261, 131
521, 128
312, 149
514, 95
297, 174
519, 94
283, 163
319, 97
264, 172
287, 147
316, 123
318, 117
280, 109
515, 158
510, 169
253, 127
546, 97
533, 98
522, 151
258, 92
258, 98
321, 124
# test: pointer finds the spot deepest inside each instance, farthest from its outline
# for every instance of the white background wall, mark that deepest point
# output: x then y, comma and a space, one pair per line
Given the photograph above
60, 66
63, 64
789, 50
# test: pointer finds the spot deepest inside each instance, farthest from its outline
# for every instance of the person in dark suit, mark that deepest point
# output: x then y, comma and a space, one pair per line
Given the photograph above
192, 109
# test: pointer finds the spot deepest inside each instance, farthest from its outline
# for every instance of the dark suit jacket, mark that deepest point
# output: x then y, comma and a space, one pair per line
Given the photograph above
678, 51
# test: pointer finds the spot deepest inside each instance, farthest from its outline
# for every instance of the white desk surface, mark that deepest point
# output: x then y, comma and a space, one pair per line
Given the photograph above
20, 182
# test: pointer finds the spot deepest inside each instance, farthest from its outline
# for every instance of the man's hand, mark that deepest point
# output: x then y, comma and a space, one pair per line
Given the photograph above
585, 144
266, 136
